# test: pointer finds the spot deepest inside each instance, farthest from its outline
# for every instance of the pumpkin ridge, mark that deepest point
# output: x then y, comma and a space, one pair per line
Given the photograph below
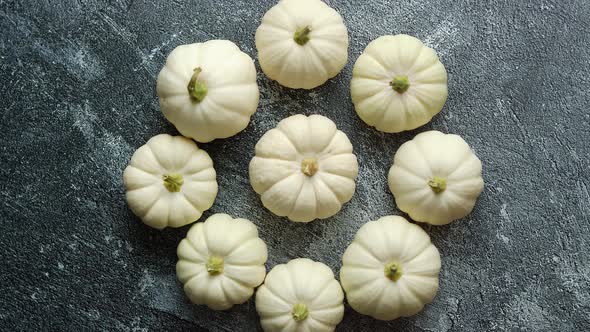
277, 296
281, 180
425, 106
321, 173
286, 60
238, 246
244, 288
190, 176
323, 151
162, 168
179, 80
191, 244
289, 140
362, 289
328, 308
316, 182
385, 110
382, 90
422, 154
410, 69
429, 66
156, 178
196, 275
366, 249
377, 59
417, 295
226, 297
315, 210
222, 108
468, 157
419, 252
405, 110
318, 60
323, 288
326, 326
151, 206
280, 8
402, 168
330, 155
459, 199
191, 203
270, 24
296, 196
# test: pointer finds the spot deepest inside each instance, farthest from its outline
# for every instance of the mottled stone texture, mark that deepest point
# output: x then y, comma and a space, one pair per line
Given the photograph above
78, 97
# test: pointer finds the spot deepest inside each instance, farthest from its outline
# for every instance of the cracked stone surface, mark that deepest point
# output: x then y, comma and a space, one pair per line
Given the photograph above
78, 97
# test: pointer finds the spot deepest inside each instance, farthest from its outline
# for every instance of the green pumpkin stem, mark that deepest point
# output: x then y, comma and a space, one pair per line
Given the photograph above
437, 184
400, 83
173, 182
197, 89
299, 312
301, 36
393, 271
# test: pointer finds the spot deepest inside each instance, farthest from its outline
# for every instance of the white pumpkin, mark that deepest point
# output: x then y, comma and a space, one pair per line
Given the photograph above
304, 169
302, 43
435, 178
300, 296
170, 182
221, 261
398, 84
390, 269
208, 90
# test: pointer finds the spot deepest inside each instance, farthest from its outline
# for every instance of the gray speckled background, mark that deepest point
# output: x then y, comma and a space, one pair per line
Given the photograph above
78, 97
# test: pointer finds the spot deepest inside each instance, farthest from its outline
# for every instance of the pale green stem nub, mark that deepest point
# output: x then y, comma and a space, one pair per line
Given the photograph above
173, 182
400, 83
197, 89
299, 312
214, 265
393, 271
437, 184
301, 36
309, 166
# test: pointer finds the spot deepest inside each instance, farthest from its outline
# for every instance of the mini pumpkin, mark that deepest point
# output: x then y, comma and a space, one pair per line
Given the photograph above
301, 295
208, 90
398, 84
304, 169
170, 182
436, 178
302, 43
221, 261
390, 269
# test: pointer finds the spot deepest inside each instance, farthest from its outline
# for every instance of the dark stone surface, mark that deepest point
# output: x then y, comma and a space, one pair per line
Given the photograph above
78, 97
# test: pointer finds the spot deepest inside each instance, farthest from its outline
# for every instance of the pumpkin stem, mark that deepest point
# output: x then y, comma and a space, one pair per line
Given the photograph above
299, 312
173, 182
400, 83
301, 36
214, 265
393, 271
309, 166
437, 184
197, 89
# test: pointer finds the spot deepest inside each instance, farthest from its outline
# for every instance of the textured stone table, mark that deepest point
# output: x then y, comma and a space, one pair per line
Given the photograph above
78, 97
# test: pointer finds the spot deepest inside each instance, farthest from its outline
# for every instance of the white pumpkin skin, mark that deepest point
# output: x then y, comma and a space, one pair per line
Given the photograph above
170, 182
299, 296
390, 269
310, 59
304, 169
398, 84
226, 94
436, 178
221, 261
